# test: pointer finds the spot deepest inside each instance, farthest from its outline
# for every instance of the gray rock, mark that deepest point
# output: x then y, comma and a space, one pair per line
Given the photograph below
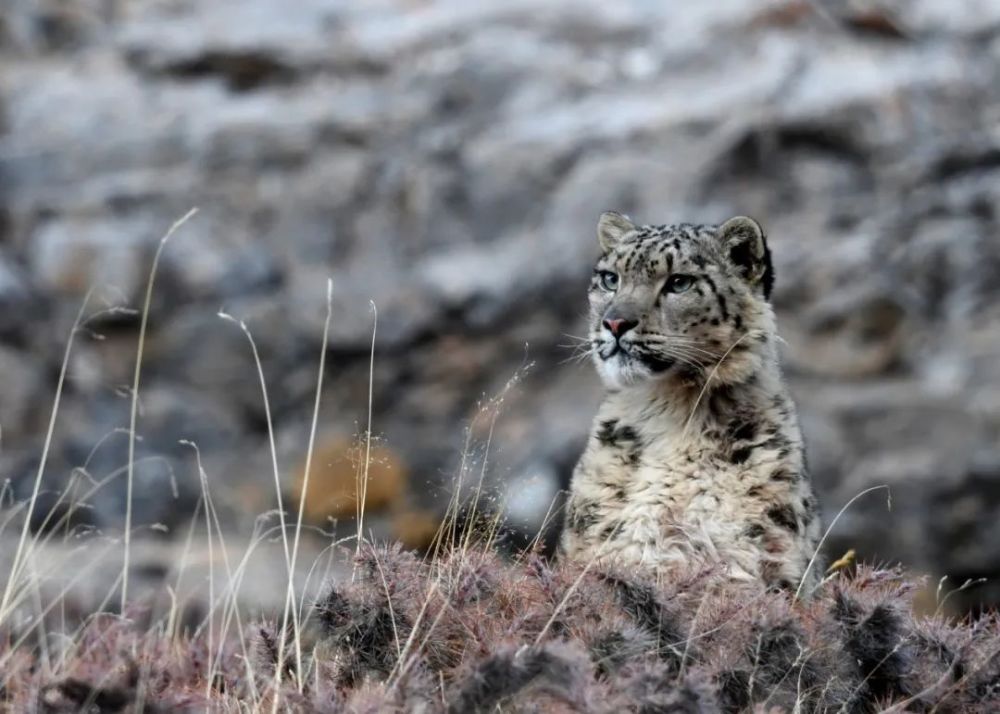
18, 303
21, 384
71, 256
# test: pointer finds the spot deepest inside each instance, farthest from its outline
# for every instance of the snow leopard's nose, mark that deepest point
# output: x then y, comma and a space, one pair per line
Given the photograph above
619, 325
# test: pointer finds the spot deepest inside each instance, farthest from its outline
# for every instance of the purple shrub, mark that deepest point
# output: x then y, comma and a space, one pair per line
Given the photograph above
655, 689
470, 632
641, 602
874, 637
553, 670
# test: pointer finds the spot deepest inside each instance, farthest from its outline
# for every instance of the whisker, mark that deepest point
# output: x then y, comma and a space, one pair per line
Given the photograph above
665, 347
675, 338
676, 355
578, 346
688, 362
581, 353
678, 339
671, 344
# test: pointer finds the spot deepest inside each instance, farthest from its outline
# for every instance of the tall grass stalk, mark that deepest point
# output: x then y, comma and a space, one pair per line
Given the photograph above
290, 600
361, 492
276, 471
134, 411
6, 603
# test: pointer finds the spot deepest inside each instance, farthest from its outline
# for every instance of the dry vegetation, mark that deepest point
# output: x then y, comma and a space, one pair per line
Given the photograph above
468, 632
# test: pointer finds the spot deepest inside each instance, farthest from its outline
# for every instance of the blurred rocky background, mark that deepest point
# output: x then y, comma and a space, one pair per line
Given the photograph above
447, 161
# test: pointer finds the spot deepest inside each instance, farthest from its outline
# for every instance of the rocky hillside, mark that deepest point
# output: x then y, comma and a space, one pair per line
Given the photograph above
447, 161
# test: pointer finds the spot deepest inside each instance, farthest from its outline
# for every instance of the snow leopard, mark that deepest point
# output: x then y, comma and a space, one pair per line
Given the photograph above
695, 455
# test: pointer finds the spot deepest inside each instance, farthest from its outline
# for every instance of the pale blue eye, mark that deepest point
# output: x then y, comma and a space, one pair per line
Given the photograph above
679, 283
609, 280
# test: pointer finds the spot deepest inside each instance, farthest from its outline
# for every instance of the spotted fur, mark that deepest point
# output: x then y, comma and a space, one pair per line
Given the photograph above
696, 453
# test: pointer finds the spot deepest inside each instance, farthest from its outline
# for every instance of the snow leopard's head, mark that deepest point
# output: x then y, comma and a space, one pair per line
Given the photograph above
679, 300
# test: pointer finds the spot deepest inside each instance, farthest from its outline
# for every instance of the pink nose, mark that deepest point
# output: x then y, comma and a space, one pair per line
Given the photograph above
619, 326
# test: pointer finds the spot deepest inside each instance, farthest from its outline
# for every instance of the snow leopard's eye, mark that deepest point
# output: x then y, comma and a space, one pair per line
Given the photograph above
679, 283
608, 280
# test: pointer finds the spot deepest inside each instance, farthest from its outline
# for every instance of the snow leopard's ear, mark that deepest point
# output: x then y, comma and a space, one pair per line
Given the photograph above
744, 242
611, 228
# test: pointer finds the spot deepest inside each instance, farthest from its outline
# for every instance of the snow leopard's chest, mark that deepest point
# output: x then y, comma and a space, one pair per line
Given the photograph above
656, 481
652, 497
